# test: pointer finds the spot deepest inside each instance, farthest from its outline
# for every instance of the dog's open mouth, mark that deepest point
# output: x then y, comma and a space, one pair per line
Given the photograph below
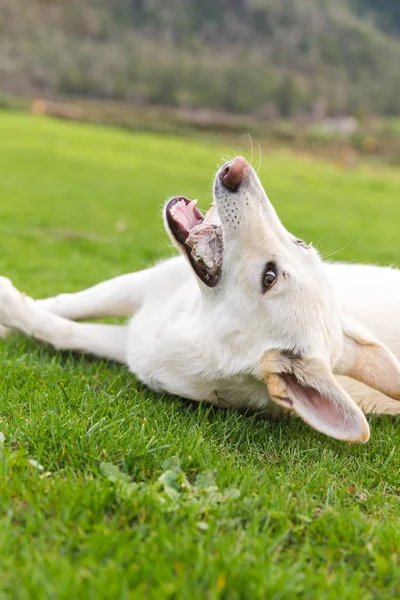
200, 235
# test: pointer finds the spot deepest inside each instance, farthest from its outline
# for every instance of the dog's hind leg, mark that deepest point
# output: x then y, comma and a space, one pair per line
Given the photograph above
20, 312
119, 297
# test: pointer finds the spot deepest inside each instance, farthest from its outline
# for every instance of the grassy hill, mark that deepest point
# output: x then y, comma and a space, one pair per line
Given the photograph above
273, 57
296, 514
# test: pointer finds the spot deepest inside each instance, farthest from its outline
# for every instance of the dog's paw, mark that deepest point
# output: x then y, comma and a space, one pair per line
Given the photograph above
11, 304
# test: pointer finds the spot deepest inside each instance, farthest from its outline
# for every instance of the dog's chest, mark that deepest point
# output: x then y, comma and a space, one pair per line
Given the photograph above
162, 352
165, 357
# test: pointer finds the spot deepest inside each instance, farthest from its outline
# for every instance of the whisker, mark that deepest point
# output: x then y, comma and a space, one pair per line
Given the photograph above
251, 149
317, 245
337, 252
260, 158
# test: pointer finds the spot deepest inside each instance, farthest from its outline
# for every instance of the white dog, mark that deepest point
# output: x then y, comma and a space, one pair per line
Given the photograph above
249, 316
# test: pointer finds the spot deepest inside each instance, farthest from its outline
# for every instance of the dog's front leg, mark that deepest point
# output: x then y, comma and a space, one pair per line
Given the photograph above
20, 312
118, 297
121, 296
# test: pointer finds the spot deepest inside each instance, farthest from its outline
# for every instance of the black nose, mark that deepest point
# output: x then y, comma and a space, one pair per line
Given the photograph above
233, 173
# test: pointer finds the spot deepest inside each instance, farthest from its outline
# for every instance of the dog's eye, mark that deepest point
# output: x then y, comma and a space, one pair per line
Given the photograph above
269, 277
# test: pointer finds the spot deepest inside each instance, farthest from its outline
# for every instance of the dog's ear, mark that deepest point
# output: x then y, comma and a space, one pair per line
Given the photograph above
308, 387
364, 358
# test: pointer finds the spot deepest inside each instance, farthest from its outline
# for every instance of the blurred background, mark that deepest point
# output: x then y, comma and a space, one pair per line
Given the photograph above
310, 72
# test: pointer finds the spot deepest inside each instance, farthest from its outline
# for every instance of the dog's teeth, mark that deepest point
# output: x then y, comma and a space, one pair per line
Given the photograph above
192, 204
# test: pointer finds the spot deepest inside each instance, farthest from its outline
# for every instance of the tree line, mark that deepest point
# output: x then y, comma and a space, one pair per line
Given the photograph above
272, 57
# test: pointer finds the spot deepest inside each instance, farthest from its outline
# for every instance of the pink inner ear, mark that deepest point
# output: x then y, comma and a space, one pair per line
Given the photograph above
329, 411
312, 401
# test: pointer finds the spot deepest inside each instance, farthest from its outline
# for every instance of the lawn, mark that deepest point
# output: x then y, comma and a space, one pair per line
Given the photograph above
141, 496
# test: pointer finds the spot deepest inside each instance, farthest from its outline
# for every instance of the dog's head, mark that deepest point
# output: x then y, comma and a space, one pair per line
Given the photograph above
272, 307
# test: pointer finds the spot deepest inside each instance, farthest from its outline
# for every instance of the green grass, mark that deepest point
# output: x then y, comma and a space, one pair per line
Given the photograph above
296, 514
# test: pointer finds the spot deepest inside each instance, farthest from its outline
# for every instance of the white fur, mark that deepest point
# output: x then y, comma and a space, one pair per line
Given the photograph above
208, 344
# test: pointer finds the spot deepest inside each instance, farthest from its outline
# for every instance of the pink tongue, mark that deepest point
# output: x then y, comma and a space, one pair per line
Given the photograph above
187, 217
